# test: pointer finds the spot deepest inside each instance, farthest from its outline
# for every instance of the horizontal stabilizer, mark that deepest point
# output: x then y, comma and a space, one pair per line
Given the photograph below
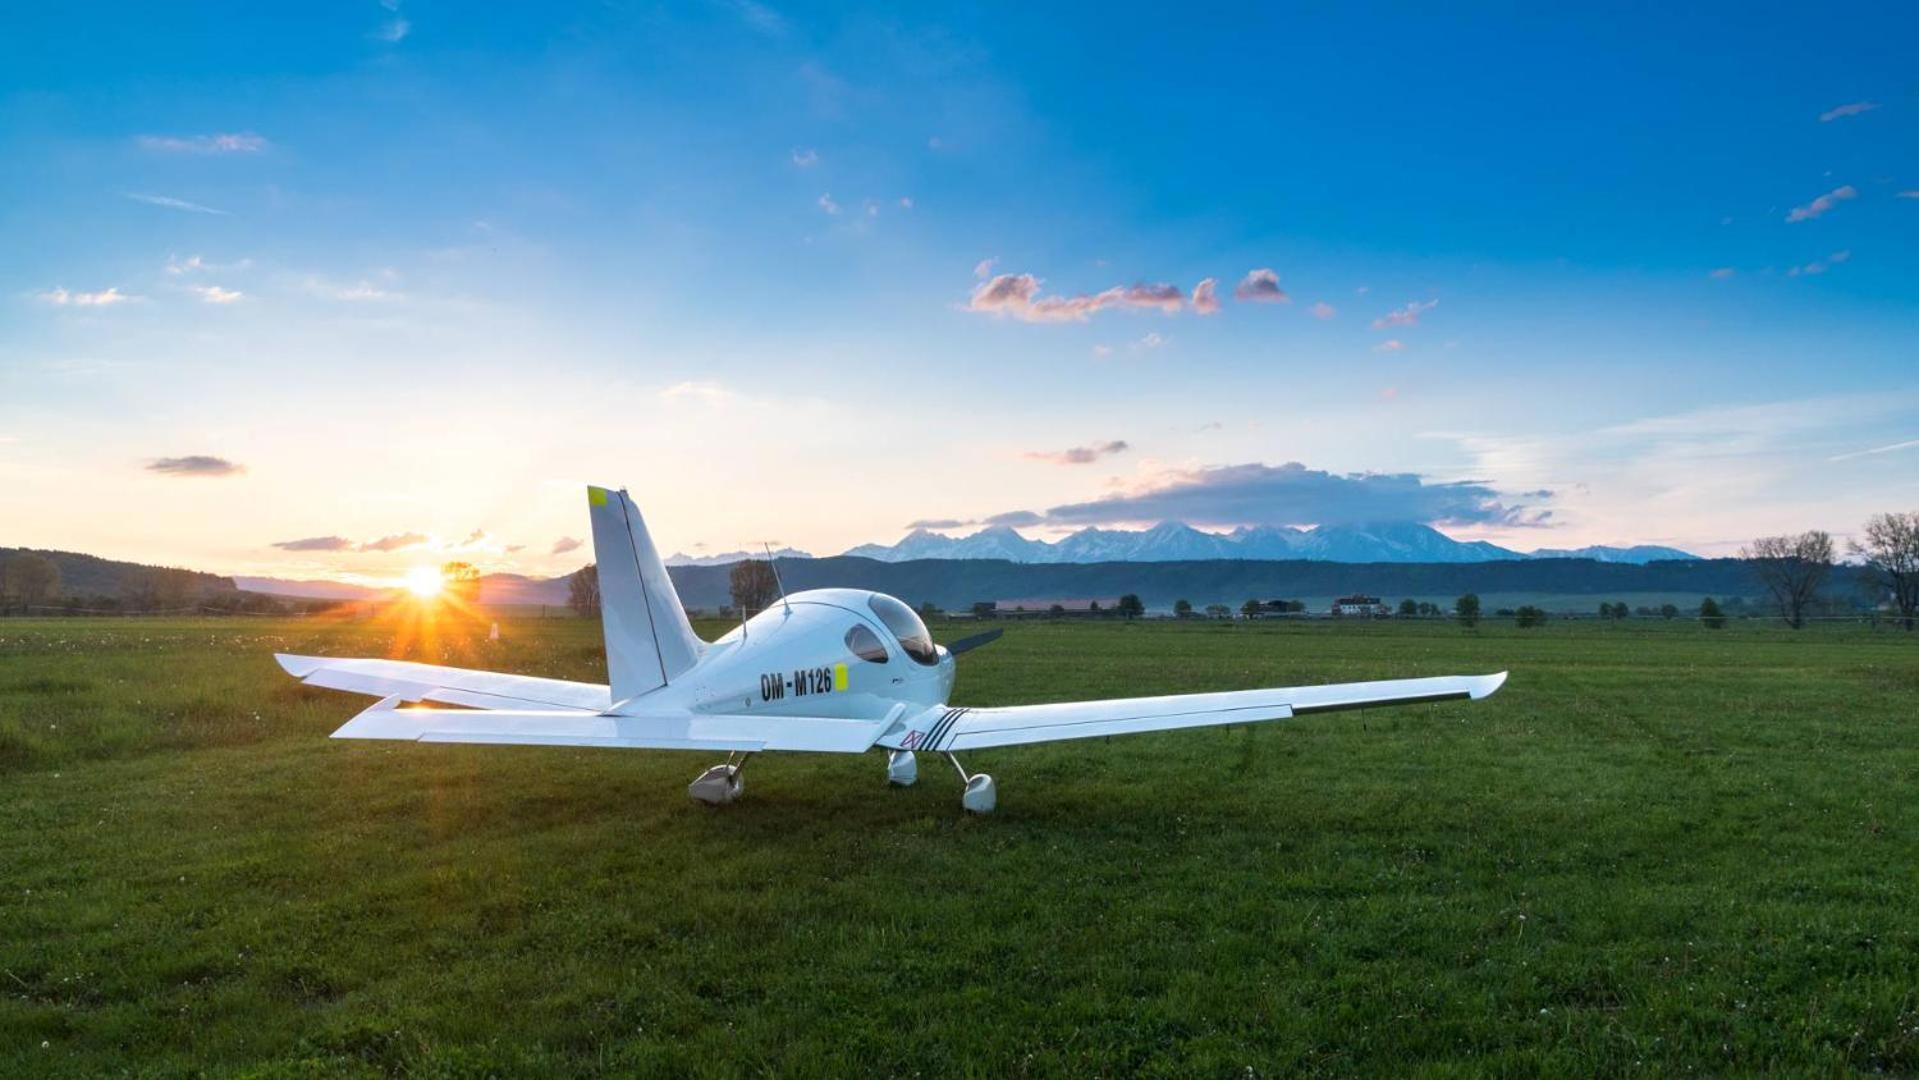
447, 685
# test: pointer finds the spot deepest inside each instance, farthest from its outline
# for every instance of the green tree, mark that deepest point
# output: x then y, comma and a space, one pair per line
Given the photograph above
1218, 611
1669, 611
1891, 556
462, 582
1466, 609
753, 585
1792, 568
1131, 606
1408, 608
29, 579
1251, 609
583, 591
1710, 616
1183, 609
1529, 616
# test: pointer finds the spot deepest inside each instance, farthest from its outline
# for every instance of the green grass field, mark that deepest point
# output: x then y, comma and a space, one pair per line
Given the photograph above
1658, 849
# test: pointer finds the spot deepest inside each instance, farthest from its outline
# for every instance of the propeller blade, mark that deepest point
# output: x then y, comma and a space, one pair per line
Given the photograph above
967, 643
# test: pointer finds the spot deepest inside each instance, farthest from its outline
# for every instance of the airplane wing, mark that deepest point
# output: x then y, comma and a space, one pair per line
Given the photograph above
943, 729
666, 730
449, 686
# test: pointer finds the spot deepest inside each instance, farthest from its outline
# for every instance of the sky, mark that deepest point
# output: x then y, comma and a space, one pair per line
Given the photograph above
328, 290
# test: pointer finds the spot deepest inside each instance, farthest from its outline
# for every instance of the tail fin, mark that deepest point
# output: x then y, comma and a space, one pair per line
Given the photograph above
649, 643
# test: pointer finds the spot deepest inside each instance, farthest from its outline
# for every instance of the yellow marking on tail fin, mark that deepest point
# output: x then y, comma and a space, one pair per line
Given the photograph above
595, 496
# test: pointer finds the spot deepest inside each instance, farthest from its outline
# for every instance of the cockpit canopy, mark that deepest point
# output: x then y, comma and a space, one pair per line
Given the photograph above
915, 639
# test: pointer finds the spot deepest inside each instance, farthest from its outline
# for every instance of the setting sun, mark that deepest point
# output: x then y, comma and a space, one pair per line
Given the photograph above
424, 582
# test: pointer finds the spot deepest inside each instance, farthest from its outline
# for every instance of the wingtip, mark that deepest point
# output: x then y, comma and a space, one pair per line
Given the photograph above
1486, 685
297, 666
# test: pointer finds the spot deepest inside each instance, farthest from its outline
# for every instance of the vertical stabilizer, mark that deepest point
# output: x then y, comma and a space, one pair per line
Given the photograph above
649, 642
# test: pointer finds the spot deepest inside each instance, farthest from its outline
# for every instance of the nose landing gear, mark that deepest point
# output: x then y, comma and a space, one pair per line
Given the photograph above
901, 768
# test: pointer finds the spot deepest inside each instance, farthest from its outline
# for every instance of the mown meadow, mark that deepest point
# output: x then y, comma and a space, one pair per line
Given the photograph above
1659, 848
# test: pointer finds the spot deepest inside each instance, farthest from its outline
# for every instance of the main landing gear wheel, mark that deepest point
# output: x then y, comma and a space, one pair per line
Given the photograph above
981, 794
901, 768
720, 784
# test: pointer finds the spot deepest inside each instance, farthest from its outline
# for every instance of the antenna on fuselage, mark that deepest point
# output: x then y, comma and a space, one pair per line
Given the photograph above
776, 576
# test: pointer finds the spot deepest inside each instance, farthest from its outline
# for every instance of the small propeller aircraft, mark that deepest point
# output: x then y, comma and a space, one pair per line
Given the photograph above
833, 670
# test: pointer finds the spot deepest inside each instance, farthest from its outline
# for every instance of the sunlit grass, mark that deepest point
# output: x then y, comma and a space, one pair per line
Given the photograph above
1657, 848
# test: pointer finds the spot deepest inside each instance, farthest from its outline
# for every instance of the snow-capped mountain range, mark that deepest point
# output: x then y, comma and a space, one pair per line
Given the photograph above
1172, 541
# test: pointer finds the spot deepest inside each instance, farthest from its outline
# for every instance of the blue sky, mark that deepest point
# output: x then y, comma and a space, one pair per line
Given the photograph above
808, 274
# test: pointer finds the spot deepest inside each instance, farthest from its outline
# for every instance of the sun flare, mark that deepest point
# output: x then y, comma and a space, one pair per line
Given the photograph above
424, 582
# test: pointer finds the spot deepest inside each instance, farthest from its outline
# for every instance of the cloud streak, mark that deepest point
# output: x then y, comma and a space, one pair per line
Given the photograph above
195, 465
1206, 297
565, 544
1851, 109
396, 542
245, 142
1078, 455
316, 543
1405, 316
60, 297
1018, 296
172, 203
1823, 203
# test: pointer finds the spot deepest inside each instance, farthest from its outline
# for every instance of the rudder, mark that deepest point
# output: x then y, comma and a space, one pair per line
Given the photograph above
649, 641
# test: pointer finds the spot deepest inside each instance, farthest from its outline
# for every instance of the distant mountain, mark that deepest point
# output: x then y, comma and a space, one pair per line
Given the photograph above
1638, 553
1173, 541
731, 557
90, 575
306, 587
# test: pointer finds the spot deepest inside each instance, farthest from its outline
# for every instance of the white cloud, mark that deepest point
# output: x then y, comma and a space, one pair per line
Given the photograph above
984, 267
1820, 266
1206, 297
827, 204
393, 31
357, 292
1405, 316
214, 294
1723, 273
806, 158
233, 143
1389, 345
906, 202
172, 203
1851, 109
1823, 203
1152, 340
60, 297
1324, 310
1261, 286
707, 392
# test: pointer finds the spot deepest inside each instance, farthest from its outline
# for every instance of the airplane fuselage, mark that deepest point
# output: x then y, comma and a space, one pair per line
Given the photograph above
845, 653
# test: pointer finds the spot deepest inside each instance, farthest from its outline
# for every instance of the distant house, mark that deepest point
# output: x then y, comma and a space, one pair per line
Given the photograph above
1360, 606
1044, 607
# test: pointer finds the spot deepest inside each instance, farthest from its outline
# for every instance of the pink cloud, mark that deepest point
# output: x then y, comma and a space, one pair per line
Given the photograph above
1389, 345
1324, 310
1260, 286
1017, 295
1406, 316
1206, 297
1823, 203
1723, 273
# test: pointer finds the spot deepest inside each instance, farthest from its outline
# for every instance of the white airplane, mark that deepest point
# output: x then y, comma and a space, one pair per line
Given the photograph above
832, 670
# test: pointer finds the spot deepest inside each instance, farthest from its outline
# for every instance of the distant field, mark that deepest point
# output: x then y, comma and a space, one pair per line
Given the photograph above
1660, 848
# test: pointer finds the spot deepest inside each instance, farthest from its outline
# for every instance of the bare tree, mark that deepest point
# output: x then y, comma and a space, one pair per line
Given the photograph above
1891, 553
1792, 568
583, 590
28, 579
753, 584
